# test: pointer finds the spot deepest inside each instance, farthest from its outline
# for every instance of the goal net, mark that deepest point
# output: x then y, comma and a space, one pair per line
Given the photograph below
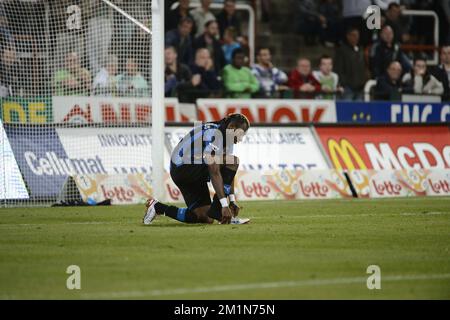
75, 101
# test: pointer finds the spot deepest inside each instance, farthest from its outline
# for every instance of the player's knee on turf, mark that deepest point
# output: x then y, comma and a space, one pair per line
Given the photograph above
202, 215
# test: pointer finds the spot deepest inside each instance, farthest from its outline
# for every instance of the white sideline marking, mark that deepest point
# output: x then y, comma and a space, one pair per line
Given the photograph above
251, 286
54, 224
358, 215
253, 218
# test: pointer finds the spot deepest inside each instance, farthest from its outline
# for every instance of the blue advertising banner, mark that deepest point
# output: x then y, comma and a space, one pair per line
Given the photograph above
392, 112
40, 156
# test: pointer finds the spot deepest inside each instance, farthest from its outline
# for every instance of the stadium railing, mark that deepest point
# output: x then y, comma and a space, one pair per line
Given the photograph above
435, 46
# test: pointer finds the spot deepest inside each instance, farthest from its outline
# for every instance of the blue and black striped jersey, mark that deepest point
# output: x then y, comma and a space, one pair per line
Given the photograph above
207, 138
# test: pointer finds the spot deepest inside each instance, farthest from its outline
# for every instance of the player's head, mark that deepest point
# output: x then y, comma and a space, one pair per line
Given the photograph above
445, 54
326, 64
264, 55
238, 125
238, 58
387, 34
185, 26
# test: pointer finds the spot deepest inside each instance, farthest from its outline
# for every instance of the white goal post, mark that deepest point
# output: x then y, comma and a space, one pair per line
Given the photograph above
158, 117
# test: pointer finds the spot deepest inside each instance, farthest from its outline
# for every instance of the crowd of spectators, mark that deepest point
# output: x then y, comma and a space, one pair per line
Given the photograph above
207, 54
360, 54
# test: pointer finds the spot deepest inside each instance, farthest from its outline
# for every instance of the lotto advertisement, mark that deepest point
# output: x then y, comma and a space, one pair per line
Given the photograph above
400, 183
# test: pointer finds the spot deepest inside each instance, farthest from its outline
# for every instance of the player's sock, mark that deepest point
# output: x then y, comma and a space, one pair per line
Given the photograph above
179, 214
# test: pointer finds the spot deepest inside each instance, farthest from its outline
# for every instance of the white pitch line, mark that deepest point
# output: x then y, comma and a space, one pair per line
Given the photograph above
54, 224
253, 286
319, 216
358, 215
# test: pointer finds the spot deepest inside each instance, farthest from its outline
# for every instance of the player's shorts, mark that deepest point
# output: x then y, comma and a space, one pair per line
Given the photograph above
192, 180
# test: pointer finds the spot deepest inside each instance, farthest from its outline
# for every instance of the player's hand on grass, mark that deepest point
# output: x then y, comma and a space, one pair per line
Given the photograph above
234, 208
226, 215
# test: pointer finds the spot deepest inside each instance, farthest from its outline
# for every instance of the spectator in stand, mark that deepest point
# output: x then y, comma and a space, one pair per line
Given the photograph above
229, 43
329, 81
302, 81
331, 11
389, 85
442, 71
174, 16
9, 73
139, 45
350, 65
420, 81
238, 80
131, 83
422, 28
99, 34
203, 67
6, 37
209, 41
178, 77
266, 6
386, 50
384, 4
271, 80
442, 8
72, 79
352, 14
180, 39
311, 22
228, 18
105, 82
394, 20
245, 46
201, 16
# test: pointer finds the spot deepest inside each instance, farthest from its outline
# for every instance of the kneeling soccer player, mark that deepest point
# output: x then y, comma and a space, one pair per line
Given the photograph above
205, 154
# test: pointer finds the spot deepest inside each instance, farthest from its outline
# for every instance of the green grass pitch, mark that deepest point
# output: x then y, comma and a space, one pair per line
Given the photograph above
291, 250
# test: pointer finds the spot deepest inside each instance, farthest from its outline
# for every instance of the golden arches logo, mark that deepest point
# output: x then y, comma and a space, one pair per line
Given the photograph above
345, 151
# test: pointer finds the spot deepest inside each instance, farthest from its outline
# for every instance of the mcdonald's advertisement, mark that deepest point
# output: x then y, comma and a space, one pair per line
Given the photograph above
391, 148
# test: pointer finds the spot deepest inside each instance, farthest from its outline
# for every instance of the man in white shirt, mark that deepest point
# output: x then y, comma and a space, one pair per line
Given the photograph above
105, 81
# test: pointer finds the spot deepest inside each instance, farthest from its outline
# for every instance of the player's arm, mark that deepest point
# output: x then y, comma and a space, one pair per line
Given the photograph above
217, 182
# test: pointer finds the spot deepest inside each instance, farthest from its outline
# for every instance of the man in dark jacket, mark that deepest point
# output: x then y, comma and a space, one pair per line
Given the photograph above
180, 39
209, 41
386, 50
442, 71
351, 67
389, 85
228, 18
178, 77
174, 16
209, 84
